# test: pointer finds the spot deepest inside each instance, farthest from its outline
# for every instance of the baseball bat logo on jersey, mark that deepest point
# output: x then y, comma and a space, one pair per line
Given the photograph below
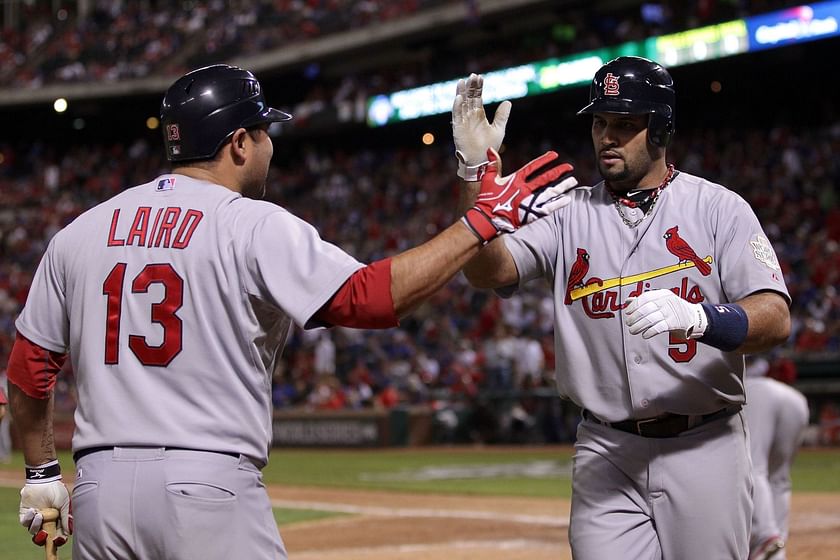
599, 298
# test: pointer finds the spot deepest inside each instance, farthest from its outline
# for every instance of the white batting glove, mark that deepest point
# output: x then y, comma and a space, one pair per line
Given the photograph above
472, 133
42, 492
659, 311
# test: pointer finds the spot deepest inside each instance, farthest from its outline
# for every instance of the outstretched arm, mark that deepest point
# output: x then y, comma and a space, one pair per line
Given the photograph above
414, 275
493, 266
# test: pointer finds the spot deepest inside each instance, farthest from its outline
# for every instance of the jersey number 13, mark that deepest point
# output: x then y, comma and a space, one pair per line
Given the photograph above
163, 313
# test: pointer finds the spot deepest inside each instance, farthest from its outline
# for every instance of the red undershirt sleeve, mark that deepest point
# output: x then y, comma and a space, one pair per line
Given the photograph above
363, 301
33, 369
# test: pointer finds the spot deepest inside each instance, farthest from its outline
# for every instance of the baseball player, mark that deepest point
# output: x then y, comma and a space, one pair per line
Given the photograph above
174, 299
777, 415
3, 403
661, 281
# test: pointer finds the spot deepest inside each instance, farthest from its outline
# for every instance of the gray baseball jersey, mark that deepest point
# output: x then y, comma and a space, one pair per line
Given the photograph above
701, 241
777, 415
174, 299
636, 497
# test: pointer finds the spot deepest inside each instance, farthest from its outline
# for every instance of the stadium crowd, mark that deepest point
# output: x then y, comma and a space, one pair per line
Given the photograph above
117, 40
463, 344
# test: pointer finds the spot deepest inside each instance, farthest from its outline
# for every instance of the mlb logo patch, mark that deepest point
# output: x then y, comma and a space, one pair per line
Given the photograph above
165, 184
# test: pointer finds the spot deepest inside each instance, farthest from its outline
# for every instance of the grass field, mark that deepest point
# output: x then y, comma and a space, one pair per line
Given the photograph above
490, 471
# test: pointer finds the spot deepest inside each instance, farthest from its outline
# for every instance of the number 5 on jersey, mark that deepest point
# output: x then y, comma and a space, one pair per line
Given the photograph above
162, 313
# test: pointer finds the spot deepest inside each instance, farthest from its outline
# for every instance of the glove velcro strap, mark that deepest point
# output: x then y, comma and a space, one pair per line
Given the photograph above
480, 224
728, 325
471, 173
42, 474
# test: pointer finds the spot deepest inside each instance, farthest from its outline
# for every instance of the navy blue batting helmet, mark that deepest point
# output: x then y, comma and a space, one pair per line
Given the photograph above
203, 108
632, 85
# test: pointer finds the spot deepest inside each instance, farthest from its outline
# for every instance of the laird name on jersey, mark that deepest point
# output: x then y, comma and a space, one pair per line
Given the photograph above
169, 228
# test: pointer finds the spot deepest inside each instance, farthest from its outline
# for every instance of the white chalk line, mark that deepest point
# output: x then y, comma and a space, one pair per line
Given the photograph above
511, 544
379, 511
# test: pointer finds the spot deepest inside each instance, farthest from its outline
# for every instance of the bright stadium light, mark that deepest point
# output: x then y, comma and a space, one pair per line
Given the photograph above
428, 139
60, 105
152, 123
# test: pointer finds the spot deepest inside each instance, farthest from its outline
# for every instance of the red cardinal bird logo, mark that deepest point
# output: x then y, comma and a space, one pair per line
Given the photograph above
579, 270
683, 251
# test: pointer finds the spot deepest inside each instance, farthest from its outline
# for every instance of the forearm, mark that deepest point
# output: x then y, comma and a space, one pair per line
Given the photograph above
33, 420
769, 322
419, 272
491, 267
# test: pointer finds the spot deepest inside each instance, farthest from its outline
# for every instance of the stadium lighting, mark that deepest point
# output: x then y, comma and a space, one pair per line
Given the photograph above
60, 105
152, 123
716, 87
428, 138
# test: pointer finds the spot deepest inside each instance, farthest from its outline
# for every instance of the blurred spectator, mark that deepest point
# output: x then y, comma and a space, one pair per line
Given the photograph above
376, 202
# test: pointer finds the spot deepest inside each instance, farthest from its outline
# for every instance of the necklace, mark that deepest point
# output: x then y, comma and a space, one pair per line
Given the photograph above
650, 200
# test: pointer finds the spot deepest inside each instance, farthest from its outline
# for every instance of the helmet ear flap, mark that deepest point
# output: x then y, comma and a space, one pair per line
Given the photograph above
660, 129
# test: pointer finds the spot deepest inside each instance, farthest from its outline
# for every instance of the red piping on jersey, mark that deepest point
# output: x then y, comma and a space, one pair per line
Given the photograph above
34, 369
363, 301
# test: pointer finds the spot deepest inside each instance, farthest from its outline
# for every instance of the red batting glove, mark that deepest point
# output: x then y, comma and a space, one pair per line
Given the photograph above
532, 192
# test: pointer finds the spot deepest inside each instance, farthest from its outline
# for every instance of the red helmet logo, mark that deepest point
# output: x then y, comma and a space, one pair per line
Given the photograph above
173, 132
610, 84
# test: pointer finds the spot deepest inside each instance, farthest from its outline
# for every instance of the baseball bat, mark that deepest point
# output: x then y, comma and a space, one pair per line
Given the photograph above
50, 517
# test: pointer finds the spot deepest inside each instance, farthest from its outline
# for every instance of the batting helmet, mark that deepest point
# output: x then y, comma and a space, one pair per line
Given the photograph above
632, 85
203, 108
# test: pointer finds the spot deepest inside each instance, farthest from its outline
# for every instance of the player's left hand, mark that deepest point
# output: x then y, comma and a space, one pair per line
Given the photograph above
533, 191
659, 311
34, 497
472, 132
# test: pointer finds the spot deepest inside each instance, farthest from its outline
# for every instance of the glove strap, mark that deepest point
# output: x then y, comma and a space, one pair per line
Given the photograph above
470, 173
728, 324
480, 224
42, 474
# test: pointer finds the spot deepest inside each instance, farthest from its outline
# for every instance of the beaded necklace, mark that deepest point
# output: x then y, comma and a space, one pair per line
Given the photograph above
648, 200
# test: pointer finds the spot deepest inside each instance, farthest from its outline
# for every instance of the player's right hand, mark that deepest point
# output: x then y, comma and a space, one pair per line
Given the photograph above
533, 191
471, 131
36, 496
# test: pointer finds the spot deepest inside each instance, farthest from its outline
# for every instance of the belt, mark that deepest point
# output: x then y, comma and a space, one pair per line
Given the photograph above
667, 425
85, 452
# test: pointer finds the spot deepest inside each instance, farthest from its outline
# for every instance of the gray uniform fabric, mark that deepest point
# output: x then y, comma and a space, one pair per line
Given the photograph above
174, 299
777, 415
141, 503
593, 262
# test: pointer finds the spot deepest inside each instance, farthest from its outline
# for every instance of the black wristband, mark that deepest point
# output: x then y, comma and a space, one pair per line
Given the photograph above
48, 472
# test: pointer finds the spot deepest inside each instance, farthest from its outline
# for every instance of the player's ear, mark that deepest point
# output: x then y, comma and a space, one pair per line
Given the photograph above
237, 144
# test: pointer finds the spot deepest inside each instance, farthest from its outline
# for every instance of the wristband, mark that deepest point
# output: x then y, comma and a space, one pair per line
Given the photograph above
48, 472
481, 225
728, 324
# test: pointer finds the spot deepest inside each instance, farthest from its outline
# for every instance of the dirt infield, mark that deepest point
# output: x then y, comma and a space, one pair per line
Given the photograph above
395, 526
401, 526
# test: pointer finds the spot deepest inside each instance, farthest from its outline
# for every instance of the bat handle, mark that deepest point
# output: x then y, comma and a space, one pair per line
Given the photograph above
51, 515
